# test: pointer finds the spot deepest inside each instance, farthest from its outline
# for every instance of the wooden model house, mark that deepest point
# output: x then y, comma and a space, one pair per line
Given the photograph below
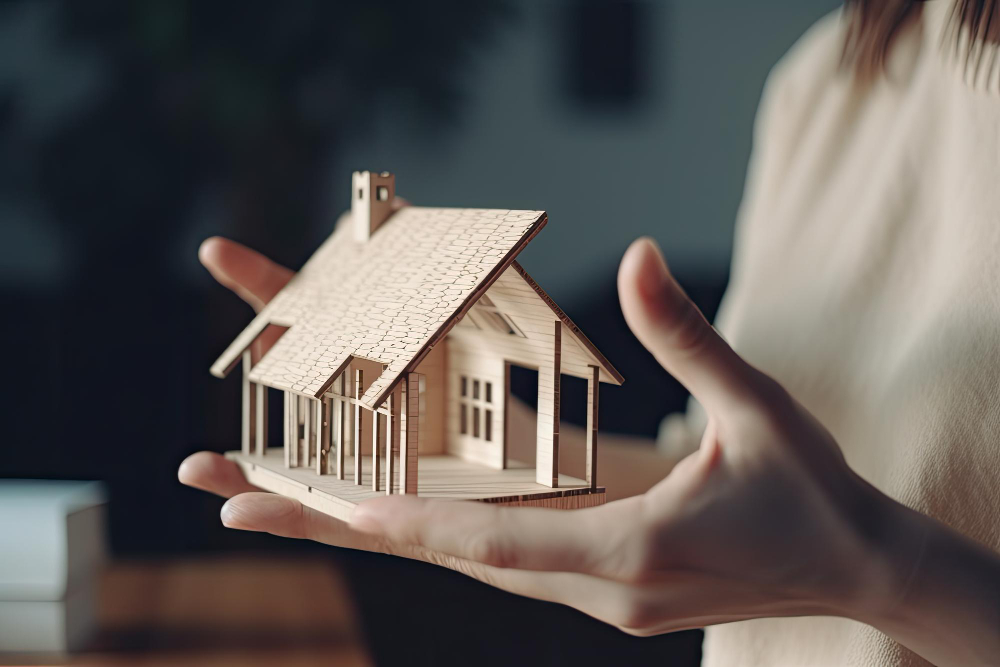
394, 368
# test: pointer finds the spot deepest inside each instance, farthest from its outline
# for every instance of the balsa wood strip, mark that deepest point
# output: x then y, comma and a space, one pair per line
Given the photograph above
287, 427
300, 430
358, 382
323, 429
403, 423
308, 424
247, 434
260, 413
338, 432
556, 399
390, 440
547, 428
345, 421
593, 401
410, 444
376, 452
505, 403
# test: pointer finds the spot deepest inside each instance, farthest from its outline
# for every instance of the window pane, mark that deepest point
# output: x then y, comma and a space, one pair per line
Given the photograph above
489, 392
488, 425
475, 389
475, 422
463, 425
465, 386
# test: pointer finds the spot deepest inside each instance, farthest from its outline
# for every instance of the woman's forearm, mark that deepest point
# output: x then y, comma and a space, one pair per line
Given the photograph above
941, 592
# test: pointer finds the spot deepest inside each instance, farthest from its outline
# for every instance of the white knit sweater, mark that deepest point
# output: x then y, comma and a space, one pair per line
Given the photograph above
867, 280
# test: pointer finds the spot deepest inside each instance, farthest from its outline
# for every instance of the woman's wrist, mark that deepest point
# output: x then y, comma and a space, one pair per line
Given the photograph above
926, 586
896, 538
879, 558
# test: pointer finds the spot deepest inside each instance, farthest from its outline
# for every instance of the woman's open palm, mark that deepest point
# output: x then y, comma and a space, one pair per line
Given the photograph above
762, 520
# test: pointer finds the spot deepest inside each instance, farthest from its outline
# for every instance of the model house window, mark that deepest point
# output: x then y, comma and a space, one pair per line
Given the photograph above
475, 408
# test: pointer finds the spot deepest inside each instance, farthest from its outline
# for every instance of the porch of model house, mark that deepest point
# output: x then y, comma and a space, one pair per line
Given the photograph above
326, 459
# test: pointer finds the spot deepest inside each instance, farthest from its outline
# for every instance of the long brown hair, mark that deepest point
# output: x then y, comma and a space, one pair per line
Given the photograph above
873, 25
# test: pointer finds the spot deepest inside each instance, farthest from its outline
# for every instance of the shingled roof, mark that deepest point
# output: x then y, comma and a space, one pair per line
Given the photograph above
389, 299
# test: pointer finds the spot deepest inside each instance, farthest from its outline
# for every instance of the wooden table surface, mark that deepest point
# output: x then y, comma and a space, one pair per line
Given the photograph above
221, 611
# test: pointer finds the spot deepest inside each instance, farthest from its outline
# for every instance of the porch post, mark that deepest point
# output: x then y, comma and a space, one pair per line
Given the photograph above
292, 416
547, 445
301, 432
390, 441
308, 423
286, 423
248, 435
593, 390
376, 451
261, 415
409, 433
341, 423
323, 432
358, 382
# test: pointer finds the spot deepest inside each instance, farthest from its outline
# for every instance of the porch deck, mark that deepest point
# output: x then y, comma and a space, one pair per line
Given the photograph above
446, 477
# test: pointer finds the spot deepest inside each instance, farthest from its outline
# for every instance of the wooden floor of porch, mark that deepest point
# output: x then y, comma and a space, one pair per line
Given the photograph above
443, 477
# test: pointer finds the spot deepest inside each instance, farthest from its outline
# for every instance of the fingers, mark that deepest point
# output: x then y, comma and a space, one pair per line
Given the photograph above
592, 541
605, 600
285, 517
672, 328
213, 473
254, 277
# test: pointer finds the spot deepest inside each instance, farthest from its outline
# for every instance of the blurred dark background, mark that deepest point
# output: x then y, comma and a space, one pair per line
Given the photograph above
133, 130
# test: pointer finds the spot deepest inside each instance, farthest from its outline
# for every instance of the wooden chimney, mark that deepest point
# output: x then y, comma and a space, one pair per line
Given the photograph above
371, 202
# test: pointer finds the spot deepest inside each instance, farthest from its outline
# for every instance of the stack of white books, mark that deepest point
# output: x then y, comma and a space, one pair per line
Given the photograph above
52, 545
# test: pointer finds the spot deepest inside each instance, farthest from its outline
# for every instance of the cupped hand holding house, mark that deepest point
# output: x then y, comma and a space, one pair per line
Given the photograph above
765, 519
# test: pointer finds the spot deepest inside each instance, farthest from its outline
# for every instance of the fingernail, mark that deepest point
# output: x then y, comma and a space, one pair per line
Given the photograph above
229, 515
249, 511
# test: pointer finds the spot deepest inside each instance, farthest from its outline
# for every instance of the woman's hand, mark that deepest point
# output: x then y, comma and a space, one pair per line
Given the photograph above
766, 519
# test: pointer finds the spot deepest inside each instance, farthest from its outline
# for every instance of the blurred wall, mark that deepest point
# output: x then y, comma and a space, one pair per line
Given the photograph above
665, 157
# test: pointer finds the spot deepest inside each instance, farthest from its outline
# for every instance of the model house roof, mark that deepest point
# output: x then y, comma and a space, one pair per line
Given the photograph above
389, 299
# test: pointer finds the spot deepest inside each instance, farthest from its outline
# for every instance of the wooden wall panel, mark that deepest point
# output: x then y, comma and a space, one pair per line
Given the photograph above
432, 426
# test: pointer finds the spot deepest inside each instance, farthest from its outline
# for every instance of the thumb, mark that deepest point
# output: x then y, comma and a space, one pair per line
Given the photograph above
672, 328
